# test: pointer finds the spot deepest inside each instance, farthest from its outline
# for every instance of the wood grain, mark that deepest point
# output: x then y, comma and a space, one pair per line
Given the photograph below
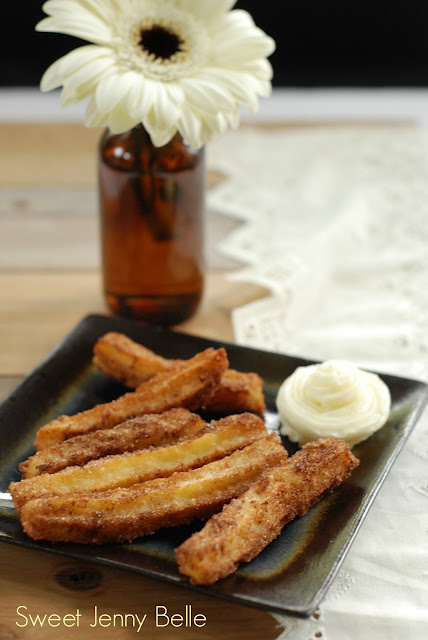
46, 584
7, 385
37, 310
50, 280
54, 154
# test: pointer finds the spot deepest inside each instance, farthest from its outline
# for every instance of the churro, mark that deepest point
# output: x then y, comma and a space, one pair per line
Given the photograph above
129, 362
122, 359
189, 385
220, 439
249, 523
124, 514
149, 430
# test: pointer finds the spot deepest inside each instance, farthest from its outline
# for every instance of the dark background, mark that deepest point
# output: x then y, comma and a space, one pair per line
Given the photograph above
319, 42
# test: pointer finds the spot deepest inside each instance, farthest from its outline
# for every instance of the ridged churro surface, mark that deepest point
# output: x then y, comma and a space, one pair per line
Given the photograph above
129, 362
190, 384
122, 359
221, 438
149, 430
124, 514
250, 522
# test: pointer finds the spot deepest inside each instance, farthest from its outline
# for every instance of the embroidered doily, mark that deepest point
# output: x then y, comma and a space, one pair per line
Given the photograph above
334, 223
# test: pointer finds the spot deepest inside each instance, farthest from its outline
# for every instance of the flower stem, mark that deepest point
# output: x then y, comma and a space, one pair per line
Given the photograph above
156, 195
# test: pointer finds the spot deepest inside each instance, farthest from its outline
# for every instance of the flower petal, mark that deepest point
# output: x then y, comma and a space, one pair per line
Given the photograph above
190, 127
233, 118
229, 23
55, 74
206, 96
165, 112
93, 117
140, 97
199, 95
119, 120
246, 87
78, 87
94, 70
231, 54
242, 86
105, 9
212, 127
111, 89
160, 137
238, 40
261, 69
207, 10
132, 101
72, 18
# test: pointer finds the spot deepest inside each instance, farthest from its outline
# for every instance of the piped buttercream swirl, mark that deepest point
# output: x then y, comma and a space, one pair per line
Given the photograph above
334, 398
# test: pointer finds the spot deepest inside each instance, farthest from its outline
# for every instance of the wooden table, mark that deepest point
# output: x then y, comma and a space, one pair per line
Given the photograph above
49, 280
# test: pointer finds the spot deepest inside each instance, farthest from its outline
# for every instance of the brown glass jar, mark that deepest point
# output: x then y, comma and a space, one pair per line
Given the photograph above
151, 212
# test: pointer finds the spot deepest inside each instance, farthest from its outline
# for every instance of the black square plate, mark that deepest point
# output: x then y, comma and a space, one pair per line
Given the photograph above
294, 572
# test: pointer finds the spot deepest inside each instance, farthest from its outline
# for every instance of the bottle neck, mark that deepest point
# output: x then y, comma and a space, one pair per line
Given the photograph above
133, 150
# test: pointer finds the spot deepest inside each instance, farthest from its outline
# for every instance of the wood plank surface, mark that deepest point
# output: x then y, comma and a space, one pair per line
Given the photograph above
37, 310
7, 385
50, 280
50, 584
54, 154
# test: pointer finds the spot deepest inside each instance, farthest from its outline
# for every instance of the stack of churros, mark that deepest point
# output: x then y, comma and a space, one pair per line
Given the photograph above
124, 469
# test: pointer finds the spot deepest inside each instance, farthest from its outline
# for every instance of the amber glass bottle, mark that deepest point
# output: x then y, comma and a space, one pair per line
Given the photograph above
151, 211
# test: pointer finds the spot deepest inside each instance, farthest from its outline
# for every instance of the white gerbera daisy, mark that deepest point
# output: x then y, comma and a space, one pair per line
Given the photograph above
171, 65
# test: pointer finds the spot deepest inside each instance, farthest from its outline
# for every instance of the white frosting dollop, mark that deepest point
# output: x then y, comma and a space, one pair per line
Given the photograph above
334, 398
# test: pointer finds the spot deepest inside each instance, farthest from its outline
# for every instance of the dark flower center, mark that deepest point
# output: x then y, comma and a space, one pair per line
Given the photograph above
160, 42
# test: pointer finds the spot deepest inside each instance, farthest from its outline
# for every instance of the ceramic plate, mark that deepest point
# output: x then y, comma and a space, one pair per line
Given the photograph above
294, 572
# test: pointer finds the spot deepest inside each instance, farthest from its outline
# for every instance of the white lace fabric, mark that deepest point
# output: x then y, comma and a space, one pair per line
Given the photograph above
334, 223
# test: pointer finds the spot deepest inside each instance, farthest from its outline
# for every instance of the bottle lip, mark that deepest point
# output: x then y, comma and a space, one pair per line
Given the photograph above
133, 150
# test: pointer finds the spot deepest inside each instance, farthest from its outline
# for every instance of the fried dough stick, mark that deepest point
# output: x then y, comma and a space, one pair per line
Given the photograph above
249, 523
222, 437
124, 514
122, 359
150, 430
129, 362
188, 385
